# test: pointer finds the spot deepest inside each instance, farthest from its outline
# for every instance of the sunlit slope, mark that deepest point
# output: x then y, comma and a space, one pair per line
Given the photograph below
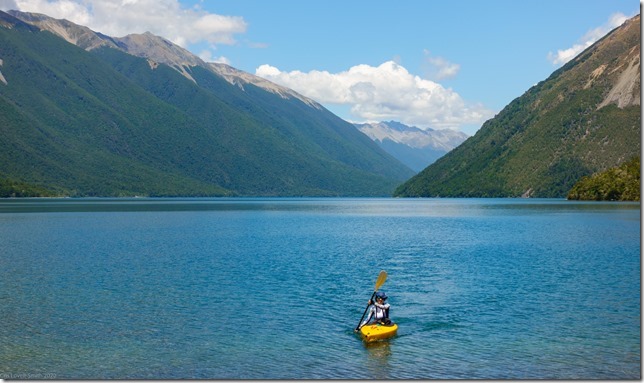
586, 117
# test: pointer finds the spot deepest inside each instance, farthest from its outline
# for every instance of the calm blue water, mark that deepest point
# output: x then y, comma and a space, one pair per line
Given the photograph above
272, 288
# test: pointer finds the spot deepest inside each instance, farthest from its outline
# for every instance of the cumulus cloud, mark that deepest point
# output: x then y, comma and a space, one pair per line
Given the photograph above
167, 18
385, 92
564, 55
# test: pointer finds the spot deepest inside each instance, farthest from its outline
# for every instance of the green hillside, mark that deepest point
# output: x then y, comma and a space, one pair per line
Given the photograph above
621, 183
105, 123
584, 118
14, 189
81, 129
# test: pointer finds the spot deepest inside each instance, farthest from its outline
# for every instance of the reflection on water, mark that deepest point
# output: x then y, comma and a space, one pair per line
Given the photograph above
432, 207
378, 359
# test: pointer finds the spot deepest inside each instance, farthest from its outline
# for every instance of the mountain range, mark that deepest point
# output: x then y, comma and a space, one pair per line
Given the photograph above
584, 118
417, 148
85, 114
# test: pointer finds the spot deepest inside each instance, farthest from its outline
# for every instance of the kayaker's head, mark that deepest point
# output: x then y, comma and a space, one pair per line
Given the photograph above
380, 295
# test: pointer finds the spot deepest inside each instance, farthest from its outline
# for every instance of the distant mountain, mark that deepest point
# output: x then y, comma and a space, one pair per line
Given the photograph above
585, 118
414, 147
138, 115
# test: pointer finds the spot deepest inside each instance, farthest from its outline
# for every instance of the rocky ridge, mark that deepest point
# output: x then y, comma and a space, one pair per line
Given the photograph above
156, 49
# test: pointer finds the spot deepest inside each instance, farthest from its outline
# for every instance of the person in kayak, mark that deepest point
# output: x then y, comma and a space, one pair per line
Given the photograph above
379, 310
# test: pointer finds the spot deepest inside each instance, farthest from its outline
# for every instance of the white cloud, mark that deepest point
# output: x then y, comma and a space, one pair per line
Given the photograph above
438, 68
206, 56
167, 18
7, 5
386, 92
564, 55
445, 69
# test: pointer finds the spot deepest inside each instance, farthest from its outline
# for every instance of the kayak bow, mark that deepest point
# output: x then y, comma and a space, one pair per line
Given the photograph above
371, 332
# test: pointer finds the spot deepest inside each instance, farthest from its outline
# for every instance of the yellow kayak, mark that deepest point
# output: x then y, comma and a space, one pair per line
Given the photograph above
371, 332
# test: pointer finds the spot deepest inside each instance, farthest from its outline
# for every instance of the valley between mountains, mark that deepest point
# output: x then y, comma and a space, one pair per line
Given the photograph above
85, 114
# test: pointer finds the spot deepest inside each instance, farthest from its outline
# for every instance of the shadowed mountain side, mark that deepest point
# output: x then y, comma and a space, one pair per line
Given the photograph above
104, 122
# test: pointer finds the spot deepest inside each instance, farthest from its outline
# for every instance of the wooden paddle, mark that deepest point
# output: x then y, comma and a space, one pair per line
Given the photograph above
382, 277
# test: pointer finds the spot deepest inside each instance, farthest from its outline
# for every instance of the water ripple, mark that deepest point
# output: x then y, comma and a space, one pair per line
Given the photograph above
272, 289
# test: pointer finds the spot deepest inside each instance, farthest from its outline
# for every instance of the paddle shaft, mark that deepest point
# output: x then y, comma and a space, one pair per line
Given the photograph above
365, 311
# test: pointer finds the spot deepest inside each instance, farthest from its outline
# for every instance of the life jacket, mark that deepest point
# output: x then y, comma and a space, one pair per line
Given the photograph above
378, 312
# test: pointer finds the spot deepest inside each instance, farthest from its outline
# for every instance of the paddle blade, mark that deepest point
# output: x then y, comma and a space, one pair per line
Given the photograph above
382, 277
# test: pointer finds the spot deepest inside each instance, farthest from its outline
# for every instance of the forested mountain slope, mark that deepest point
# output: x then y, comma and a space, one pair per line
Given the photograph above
585, 118
621, 183
91, 119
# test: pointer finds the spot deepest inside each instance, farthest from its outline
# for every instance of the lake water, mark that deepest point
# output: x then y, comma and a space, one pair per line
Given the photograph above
273, 288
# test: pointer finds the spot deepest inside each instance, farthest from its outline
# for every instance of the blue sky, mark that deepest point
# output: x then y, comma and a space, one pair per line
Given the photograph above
428, 63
